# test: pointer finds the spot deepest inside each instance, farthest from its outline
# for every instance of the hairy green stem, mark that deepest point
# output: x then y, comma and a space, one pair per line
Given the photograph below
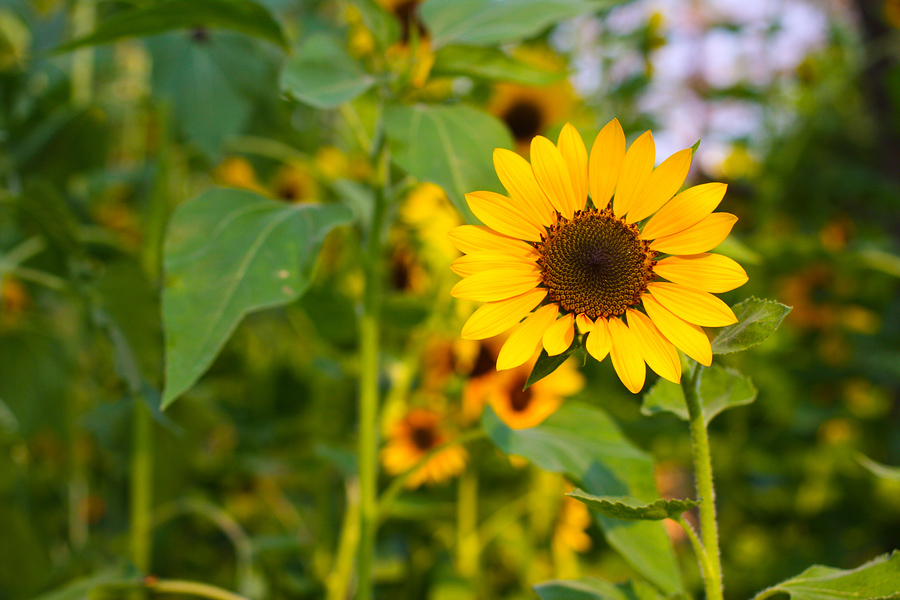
699, 551
712, 575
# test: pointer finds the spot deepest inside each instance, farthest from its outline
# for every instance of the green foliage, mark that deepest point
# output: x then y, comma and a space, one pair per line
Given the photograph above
489, 63
631, 509
720, 389
757, 320
878, 469
244, 16
546, 364
583, 443
877, 579
595, 589
383, 25
228, 253
322, 74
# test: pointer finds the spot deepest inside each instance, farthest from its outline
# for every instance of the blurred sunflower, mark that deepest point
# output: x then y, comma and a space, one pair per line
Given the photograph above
521, 408
413, 437
593, 266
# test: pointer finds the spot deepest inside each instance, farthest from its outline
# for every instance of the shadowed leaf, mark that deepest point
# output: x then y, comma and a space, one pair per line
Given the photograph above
720, 389
630, 509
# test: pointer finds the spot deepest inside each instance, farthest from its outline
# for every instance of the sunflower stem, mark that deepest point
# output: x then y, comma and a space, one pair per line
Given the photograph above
712, 573
467, 545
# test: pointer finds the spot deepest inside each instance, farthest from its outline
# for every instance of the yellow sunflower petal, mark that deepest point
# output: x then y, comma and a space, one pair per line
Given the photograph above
502, 214
497, 284
705, 235
707, 272
575, 154
636, 168
599, 343
486, 260
626, 355
551, 172
689, 338
664, 182
694, 306
475, 238
684, 210
584, 323
517, 177
526, 339
496, 317
559, 335
659, 352
606, 161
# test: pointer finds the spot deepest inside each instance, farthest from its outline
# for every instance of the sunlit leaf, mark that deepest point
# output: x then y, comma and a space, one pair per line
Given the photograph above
627, 508
880, 261
230, 252
878, 469
489, 63
546, 364
720, 389
595, 589
757, 320
447, 145
878, 578
585, 444
322, 74
244, 16
488, 22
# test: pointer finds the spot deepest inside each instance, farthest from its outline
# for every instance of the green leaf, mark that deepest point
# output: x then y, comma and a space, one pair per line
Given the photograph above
227, 253
585, 444
877, 579
627, 508
880, 261
546, 364
384, 26
81, 588
447, 145
720, 389
878, 469
757, 320
595, 589
490, 22
244, 16
489, 63
322, 74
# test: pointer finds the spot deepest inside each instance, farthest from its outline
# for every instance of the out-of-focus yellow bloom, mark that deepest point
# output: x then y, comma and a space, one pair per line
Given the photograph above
866, 400
294, 182
414, 436
570, 531
331, 163
520, 408
360, 41
118, 217
859, 319
237, 172
739, 164
428, 212
837, 431
14, 297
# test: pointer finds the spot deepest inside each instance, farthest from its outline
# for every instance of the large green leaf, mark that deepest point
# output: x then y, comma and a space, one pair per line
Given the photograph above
243, 16
489, 63
757, 320
585, 444
595, 589
627, 508
322, 74
489, 22
227, 253
877, 579
720, 389
447, 145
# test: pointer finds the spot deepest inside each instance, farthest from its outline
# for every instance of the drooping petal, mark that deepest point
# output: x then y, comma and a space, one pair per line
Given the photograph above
607, 154
559, 335
526, 339
486, 260
496, 284
664, 182
496, 317
517, 177
599, 343
684, 210
501, 214
705, 235
659, 352
571, 146
689, 338
694, 306
626, 355
636, 168
584, 323
551, 172
707, 272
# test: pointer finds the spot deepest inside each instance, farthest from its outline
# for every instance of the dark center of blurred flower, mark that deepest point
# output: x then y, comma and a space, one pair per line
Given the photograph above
519, 399
424, 438
484, 362
524, 120
408, 15
595, 263
200, 34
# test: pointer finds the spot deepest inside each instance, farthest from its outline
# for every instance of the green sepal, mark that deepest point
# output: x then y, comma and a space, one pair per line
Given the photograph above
546, 364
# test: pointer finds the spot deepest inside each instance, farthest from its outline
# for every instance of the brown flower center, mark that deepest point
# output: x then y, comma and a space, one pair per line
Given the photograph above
595, 263
524, 120
519, 399
424, 438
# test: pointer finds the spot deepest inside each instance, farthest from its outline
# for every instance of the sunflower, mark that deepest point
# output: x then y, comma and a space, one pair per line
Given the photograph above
631, 273
413, 437
519, 407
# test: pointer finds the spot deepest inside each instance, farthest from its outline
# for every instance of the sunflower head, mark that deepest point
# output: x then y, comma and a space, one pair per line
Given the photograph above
602, 245
411, 439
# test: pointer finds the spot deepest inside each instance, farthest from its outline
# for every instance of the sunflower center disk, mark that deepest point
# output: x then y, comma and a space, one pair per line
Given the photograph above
595, 264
